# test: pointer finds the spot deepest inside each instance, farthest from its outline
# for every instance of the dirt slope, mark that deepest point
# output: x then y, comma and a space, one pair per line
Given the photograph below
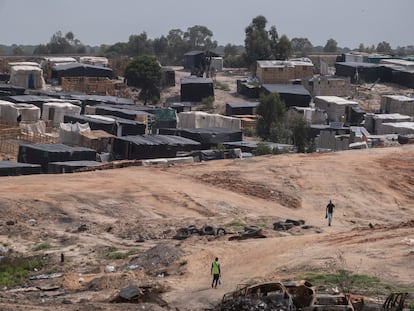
134, 209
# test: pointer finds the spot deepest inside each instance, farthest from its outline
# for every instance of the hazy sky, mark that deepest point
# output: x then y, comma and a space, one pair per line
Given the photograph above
96, 22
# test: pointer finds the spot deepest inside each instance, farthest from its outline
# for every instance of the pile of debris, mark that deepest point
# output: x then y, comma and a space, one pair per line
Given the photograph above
287, 224
186, 232
250, 232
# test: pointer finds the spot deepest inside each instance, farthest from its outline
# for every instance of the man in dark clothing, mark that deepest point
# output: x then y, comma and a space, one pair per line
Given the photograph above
216, 272
329, 212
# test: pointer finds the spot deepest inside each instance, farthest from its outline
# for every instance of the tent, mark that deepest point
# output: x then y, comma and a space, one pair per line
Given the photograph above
80, 70
9, 168
194, 89
151, 146
29, 77
56, 111
43, 154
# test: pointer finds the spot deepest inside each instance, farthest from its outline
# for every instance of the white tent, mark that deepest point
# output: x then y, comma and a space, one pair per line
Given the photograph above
29, 77
199, 119
15, 113
4, 104
69, 133
55, 111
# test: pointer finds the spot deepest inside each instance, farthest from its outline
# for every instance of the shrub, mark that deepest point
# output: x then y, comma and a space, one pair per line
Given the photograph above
14, 271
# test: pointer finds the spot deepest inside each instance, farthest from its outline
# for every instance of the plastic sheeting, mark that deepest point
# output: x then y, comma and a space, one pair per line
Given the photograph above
56, 111
13, 114
43, 154
69, 133
199, 119
29, 77
151, 146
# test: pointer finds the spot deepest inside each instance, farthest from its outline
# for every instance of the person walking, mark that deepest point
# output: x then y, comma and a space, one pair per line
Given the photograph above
329, 212
215, 272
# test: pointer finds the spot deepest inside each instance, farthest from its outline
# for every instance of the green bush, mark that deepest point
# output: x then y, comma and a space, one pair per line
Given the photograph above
262, 149
15, 271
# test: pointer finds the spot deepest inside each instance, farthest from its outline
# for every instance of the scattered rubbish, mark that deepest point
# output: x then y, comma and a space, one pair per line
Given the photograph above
32, 222
129, 293
10, 222
250, 232
109, 269
46, 276
82, 227
132, 267
287, 224
185, 232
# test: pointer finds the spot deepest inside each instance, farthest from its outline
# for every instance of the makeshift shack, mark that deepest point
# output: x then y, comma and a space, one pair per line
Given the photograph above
69, 166
194, 89
54, 113
110, 124
358, 72
337, 108
80, 70
15, 113
208, 137
29, 77
69, 133
374, 122
43, 154
98, 140
248, 108
151, 146
200, 119
397, 104
290, 94
9, 168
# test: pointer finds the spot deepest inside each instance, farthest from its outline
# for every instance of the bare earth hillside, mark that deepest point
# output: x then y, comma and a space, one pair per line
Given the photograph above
137, 211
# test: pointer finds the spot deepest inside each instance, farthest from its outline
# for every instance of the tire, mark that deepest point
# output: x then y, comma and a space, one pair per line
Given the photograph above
220, 231
208, 230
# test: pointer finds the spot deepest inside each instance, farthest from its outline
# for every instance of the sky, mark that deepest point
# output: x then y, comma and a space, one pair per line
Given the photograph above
96, 22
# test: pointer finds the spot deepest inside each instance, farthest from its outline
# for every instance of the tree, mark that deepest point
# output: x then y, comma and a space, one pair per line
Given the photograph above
299, 128
177, 46
331, 46
60, 44
257, 43
145, 72
272, 112
200, 38
301, 46
140, 45
283, 48
230, 50
384, 47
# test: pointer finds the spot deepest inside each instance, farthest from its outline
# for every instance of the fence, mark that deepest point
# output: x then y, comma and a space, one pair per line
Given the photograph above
11, 138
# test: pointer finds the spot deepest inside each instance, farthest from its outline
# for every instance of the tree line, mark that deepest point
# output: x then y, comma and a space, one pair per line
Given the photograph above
260, 42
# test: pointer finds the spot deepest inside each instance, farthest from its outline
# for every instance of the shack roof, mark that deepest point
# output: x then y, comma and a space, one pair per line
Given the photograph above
55, 147
406, 125
153, 140
69, 66
240, 105
195, 79
286, 89
103, 99
335, 100
390, 116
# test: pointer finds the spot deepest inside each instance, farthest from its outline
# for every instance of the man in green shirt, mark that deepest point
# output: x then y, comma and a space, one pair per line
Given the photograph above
216, 272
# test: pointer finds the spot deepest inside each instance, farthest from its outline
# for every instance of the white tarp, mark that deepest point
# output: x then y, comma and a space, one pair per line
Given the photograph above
69, 133
199, 119
29, 77
55, 111
4, 103
38, 127
19, 112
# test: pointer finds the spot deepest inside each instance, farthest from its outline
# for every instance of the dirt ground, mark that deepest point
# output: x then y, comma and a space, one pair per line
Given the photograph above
137, 211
